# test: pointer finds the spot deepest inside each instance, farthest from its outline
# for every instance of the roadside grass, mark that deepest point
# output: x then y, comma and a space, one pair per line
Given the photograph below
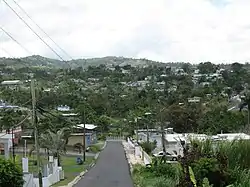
69, 165
95, 148
151, 177
72, 170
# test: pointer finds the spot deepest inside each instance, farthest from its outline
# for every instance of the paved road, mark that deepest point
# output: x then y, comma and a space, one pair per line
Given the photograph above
111, 169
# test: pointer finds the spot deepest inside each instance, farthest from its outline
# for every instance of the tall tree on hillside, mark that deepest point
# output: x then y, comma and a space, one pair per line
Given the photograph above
236, 67
207, 67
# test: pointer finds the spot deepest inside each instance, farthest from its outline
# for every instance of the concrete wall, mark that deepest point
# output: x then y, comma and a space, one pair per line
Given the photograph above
89, 139
29, 180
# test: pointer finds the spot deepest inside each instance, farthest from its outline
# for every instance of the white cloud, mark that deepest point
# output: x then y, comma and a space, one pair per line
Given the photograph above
163, 30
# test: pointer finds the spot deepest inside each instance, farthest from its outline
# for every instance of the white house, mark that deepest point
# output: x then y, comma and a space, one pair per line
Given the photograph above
5, 143
231, 137
11, 82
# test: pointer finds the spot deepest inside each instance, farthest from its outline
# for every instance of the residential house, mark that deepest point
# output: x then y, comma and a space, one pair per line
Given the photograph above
231, 137
5, 144
64, 108
77, 135
12, 84
194, 100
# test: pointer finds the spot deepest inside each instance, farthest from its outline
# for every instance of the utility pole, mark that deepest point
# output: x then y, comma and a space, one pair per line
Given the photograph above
13, 145
163, 137
147, 134
84, 135
137, 128
34, 123
147, 121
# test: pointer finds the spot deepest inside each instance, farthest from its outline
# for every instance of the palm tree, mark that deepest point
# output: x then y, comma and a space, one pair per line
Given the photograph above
55, 142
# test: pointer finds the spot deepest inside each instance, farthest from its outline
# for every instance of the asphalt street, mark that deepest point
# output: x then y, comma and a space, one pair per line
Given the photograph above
111, 169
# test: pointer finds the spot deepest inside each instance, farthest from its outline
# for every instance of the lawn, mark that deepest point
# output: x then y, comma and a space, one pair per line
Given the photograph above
71, 169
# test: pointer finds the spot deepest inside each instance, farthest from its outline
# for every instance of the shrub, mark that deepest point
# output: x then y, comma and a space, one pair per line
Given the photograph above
242, 178
163, 182
167, 170
205, 183
102, 137
94, 148
11, 175
212, 169
148, 147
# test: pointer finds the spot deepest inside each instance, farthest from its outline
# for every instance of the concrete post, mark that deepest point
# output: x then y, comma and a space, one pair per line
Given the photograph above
25, 165
6, 151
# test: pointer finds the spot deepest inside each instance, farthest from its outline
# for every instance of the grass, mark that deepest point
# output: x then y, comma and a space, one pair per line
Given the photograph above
69, 165
95, 148
164, 175
72, 170
100, 144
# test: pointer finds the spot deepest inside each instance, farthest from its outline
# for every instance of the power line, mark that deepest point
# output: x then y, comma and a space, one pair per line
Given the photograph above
42, 30
4, 50
35, 32
41, 111
21, 122
15, 40
8, 34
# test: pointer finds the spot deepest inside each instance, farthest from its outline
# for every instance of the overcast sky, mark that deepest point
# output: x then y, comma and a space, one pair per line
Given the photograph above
162, 30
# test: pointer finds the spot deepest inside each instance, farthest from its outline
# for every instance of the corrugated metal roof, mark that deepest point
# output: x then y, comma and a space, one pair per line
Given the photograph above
87, 126
11, 82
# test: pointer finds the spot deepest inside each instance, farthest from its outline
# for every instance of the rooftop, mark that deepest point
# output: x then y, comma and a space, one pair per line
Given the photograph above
11, 82
87, 126
231, 136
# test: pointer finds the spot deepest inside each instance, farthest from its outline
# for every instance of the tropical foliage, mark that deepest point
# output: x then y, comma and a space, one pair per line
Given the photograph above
11, 174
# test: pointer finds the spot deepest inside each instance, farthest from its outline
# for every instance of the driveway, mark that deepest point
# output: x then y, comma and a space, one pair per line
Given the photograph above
111, 169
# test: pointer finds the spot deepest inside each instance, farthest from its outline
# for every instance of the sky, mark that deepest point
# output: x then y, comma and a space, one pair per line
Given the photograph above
162, 30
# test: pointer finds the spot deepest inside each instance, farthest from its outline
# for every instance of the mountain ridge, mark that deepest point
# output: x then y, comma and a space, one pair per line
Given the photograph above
37, 60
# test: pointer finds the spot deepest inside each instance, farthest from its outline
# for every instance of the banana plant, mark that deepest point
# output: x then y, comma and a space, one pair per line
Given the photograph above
192, 177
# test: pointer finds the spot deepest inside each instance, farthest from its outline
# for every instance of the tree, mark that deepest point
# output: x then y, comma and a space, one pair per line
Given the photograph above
55, 142
206, 67
104, 123
236, 67
9, 119
246, 103
186, 67
11, 174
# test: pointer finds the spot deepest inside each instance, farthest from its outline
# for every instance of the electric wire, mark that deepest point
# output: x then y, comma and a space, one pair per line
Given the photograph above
42, 30
35, 33
21, 122
8, 34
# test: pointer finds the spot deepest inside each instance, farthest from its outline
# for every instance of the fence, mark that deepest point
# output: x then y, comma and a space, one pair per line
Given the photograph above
115, 138
138, 151
29, 180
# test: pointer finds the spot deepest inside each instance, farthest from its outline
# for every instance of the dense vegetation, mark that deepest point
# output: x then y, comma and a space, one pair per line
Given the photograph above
112, 94
11, 174
117, 93
202, 166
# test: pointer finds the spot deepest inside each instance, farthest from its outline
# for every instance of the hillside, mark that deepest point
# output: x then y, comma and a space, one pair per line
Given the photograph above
40, 61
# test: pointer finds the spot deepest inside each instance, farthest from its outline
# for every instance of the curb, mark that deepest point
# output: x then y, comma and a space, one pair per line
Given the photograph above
81, 175
105, 143
126, 155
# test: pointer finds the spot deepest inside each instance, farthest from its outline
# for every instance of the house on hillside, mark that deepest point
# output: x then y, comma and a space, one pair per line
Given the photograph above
230, 137
12, 84
64, 108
